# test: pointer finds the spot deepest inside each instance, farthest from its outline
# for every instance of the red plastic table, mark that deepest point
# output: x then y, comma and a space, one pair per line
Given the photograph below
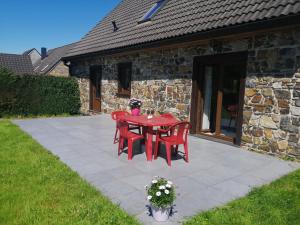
148, 124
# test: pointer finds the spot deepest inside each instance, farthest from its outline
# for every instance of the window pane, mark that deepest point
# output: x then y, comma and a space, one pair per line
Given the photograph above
127, 80
230, 103
153, 10
124, 76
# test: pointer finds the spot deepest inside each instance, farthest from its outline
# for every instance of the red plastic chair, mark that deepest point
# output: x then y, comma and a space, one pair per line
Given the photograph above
131, 137
167, 115
233, 110
116, 116
177, 137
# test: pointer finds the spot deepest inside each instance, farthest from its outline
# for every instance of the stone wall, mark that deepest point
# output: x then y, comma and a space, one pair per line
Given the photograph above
162, 78
272, 115
80, 71
272, 95
60, 70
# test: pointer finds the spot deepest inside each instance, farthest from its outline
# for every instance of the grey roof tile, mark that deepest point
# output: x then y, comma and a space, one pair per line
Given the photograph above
54, 56
176, 18
19, 64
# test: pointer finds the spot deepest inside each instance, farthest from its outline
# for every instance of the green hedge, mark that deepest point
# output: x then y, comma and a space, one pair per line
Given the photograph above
37, 95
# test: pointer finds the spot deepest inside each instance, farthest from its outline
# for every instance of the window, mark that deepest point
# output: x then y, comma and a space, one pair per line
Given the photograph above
158, 5
124, 77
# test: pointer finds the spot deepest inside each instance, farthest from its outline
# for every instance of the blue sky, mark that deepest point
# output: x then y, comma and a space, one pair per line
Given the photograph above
26, 24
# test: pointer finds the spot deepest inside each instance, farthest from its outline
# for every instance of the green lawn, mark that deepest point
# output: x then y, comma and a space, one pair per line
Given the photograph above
36, 188
274, 204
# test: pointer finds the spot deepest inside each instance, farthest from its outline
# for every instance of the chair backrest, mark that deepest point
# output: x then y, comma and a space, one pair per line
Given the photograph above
180, 130
233, 110
117, 114
123, 128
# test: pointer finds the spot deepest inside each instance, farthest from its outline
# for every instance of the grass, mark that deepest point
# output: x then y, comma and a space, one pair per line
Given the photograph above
31, 116
274, 204
36, 188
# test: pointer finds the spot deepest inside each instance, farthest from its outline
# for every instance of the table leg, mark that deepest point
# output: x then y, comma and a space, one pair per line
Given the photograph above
144, 132
149, 140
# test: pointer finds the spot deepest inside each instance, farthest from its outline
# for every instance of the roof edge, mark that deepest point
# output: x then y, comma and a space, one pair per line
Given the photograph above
49, 69
27, 52
290, 20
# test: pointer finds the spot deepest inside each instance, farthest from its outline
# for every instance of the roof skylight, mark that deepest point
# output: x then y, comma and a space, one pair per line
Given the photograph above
157, 6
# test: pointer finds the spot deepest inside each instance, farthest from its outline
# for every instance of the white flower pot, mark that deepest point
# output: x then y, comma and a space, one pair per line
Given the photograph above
160, 214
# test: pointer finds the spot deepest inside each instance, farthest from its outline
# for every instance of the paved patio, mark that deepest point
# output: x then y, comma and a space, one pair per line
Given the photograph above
216, 174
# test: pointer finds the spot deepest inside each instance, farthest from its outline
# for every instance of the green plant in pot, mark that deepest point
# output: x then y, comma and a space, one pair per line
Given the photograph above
161, 195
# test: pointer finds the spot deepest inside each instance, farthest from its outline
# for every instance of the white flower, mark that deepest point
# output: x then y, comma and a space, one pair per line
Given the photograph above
154, 181
158, 193
170, 182
149, 197
168, 185
162, 187
167, 192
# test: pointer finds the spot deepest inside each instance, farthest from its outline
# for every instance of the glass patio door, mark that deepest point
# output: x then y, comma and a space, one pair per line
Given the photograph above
230, 101
208, 82
218, 86
220, 100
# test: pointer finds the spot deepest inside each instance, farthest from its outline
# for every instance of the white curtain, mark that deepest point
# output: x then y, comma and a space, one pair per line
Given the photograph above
207, 97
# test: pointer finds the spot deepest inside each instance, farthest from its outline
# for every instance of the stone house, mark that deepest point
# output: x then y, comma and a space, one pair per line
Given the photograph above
34, 55
231, 67
50, 61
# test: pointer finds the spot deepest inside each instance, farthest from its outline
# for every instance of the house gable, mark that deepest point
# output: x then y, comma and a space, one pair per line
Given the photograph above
34, 55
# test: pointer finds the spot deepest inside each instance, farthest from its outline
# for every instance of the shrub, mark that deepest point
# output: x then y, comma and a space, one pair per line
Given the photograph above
161, 193
37, 95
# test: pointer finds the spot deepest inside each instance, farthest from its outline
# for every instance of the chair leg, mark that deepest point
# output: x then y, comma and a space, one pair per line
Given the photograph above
168, 153
186, 151
156, 148
116, 134
120, 147
129, 149
122, 140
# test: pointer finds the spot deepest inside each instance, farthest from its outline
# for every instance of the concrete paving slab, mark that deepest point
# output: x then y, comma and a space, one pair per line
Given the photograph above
233, 188
216, 174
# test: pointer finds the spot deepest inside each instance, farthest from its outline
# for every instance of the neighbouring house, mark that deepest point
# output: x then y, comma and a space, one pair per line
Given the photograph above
50, 63
34, 55
32, 62
231, 67
19, 64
